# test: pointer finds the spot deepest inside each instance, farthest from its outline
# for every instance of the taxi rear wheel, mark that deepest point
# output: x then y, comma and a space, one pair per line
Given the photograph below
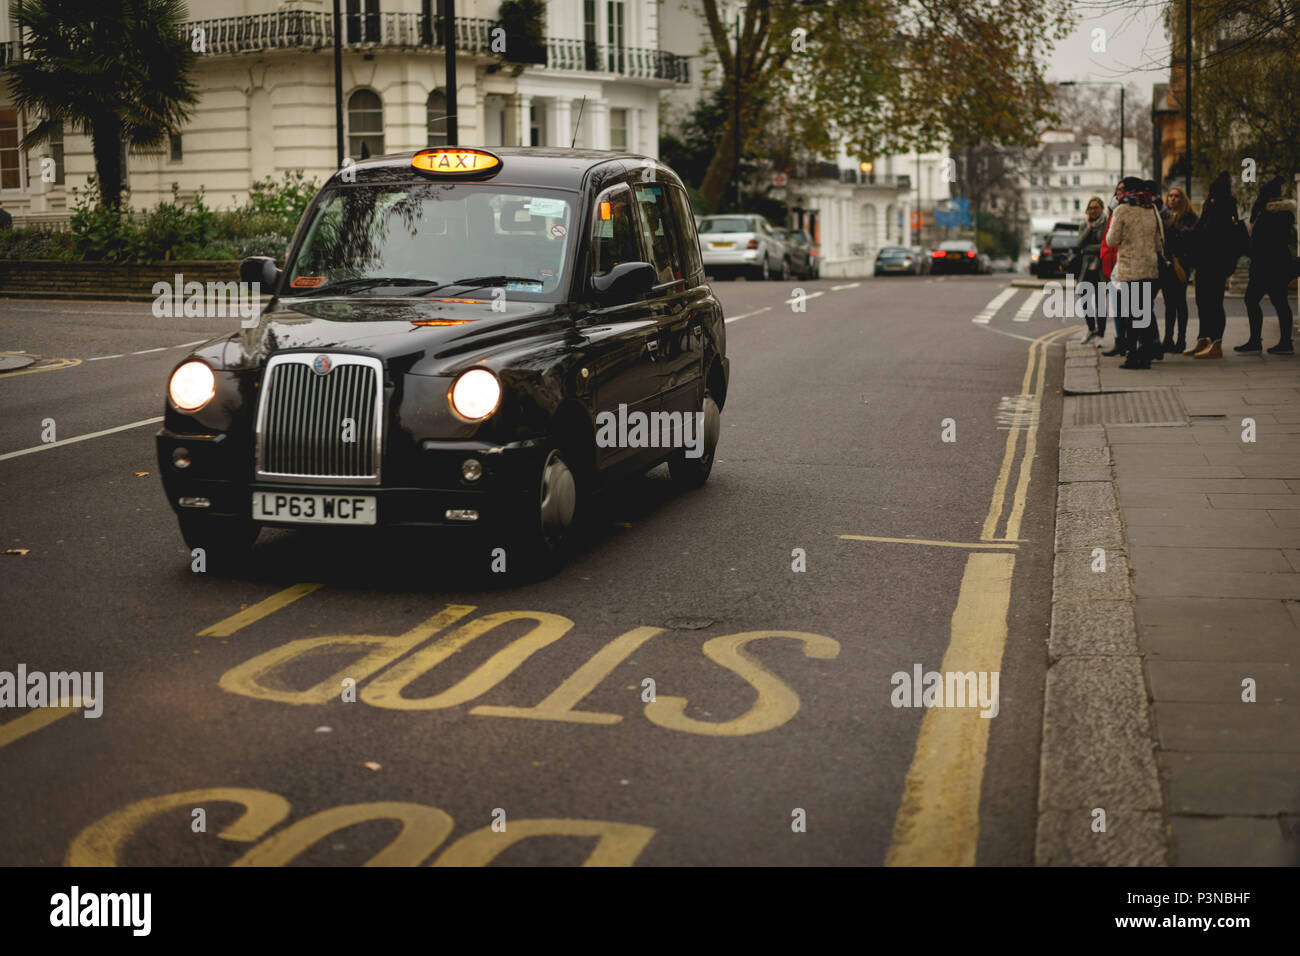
694, 472
225, 542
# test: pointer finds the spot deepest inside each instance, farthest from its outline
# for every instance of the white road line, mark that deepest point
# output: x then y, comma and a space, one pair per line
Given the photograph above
1023, 338
69, 441
737, 318
851, 285
1029, 308
160, 348
100, 358
810, 295
995, 303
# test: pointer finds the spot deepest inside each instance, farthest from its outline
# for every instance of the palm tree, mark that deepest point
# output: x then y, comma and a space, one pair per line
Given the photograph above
116, 69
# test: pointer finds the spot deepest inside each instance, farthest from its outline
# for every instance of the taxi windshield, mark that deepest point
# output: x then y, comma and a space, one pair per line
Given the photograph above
417, 239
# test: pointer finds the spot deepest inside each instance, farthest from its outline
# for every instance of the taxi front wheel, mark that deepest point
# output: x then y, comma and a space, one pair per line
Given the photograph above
225, 542
694, 472
554, 511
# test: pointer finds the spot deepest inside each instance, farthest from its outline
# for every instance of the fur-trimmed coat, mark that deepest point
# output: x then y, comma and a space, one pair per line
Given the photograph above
1138, 238
1270, 239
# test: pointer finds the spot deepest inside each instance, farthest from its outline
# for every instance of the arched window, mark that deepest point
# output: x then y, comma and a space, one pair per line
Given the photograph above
365, 124
436, 110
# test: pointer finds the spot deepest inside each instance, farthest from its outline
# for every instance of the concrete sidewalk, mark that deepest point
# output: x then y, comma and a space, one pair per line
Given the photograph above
1188, 476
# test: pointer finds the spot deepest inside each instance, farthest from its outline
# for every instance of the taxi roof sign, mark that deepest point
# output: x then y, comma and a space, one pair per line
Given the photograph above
455, 161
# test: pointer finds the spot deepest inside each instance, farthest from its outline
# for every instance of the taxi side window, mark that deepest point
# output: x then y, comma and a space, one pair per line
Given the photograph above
661, 238
692, 262
613, 233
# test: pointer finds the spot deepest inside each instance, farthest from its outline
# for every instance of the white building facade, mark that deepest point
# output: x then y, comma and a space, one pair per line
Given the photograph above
265, 76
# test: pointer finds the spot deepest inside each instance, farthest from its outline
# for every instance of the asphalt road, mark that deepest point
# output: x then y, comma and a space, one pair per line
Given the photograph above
833, 426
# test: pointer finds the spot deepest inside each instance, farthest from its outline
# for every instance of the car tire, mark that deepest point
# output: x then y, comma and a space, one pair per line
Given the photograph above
689, 473
551, 516
226, 542
784, 274
763, 272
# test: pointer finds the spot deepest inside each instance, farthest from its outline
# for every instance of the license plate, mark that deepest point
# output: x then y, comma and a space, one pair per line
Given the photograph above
313, 509
723, 245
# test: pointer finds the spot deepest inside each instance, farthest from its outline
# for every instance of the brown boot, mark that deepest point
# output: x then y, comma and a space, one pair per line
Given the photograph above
1200, 344
1213, 350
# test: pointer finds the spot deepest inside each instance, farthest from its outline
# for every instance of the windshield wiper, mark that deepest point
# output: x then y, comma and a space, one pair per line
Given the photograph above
368, 282
478, 282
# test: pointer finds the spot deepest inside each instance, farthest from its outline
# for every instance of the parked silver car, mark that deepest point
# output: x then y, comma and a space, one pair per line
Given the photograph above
744, 244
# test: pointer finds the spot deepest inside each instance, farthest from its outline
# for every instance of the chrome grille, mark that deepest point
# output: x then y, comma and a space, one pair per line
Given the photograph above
301, 421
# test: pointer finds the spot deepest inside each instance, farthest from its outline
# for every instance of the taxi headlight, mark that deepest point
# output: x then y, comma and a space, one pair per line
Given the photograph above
475, 394
192, 386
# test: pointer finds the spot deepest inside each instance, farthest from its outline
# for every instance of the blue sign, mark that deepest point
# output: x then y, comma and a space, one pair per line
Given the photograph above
956, 215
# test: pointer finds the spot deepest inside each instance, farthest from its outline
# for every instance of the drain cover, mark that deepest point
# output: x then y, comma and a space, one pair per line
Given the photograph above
11, 361
1156, 406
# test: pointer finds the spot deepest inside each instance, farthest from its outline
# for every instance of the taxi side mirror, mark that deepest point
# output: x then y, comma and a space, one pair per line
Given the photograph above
260, 269
625, 282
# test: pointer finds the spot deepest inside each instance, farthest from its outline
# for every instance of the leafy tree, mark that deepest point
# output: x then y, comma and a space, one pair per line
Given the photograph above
880, 76
116, 69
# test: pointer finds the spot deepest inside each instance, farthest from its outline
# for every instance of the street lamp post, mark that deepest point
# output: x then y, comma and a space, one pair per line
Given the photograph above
1121, 110
736, 99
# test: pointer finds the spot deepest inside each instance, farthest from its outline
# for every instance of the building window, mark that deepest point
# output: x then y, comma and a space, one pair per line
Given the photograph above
56, 153
1033, 204
1060, 159
1076, 179
1033, 180
436, 112
534, 127
10, 155
365, 124
176, 150
590, 60
615, 33
1076, 205
618, 129
363, 27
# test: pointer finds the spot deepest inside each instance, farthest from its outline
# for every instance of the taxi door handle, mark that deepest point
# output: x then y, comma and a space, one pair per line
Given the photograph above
652, 346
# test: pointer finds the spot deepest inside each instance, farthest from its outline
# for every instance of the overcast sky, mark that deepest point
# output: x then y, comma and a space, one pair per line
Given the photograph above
1137, 49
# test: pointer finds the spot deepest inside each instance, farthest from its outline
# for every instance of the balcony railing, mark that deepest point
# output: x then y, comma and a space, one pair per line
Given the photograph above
312, 30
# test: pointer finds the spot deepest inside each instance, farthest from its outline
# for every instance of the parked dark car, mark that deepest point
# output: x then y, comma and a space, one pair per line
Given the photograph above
957, 255
1055, 253
897, 260
805, 255
451, 334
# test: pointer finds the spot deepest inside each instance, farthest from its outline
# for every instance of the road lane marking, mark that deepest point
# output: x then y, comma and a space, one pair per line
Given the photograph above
63, 363
938, 821
810, 295
989, 311
937, 544
737, 318
100, 358
20, 727
996, 506
851, 285
69, 441
263, 608
147, 351
1023, 338
1029, 307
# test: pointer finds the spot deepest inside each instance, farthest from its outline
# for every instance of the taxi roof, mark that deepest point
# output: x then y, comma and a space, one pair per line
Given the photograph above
545, 166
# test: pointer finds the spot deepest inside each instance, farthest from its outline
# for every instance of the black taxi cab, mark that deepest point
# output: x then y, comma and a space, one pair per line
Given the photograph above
459, 338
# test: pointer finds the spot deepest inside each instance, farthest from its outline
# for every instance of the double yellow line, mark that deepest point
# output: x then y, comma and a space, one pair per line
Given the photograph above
937, 823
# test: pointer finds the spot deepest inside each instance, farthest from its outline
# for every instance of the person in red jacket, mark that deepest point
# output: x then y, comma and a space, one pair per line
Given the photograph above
1108, 254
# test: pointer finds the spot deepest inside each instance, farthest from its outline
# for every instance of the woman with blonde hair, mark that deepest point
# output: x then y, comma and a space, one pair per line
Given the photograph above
1089, 246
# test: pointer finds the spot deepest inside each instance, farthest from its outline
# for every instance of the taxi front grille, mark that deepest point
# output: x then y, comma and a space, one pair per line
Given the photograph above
321, 427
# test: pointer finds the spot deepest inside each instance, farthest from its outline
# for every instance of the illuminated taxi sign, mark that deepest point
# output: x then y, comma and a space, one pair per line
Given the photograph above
453, 161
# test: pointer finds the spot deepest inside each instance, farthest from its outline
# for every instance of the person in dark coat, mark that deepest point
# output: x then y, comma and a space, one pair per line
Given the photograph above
1271, 220
1089, 246
1215, 254
1179, 219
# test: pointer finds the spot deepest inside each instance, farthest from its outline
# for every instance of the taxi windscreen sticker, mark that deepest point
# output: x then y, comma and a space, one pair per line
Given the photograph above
307, 282
538, 206
558, 231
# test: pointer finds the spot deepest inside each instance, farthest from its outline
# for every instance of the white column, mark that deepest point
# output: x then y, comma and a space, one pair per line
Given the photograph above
559, 122
517, 119
598, 136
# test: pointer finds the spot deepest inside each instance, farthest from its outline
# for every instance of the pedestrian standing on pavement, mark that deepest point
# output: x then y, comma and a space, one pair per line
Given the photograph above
1179, 219
1162, 266
1136, 235
1089, 244
1215, 248
1107, 256
1271, 221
